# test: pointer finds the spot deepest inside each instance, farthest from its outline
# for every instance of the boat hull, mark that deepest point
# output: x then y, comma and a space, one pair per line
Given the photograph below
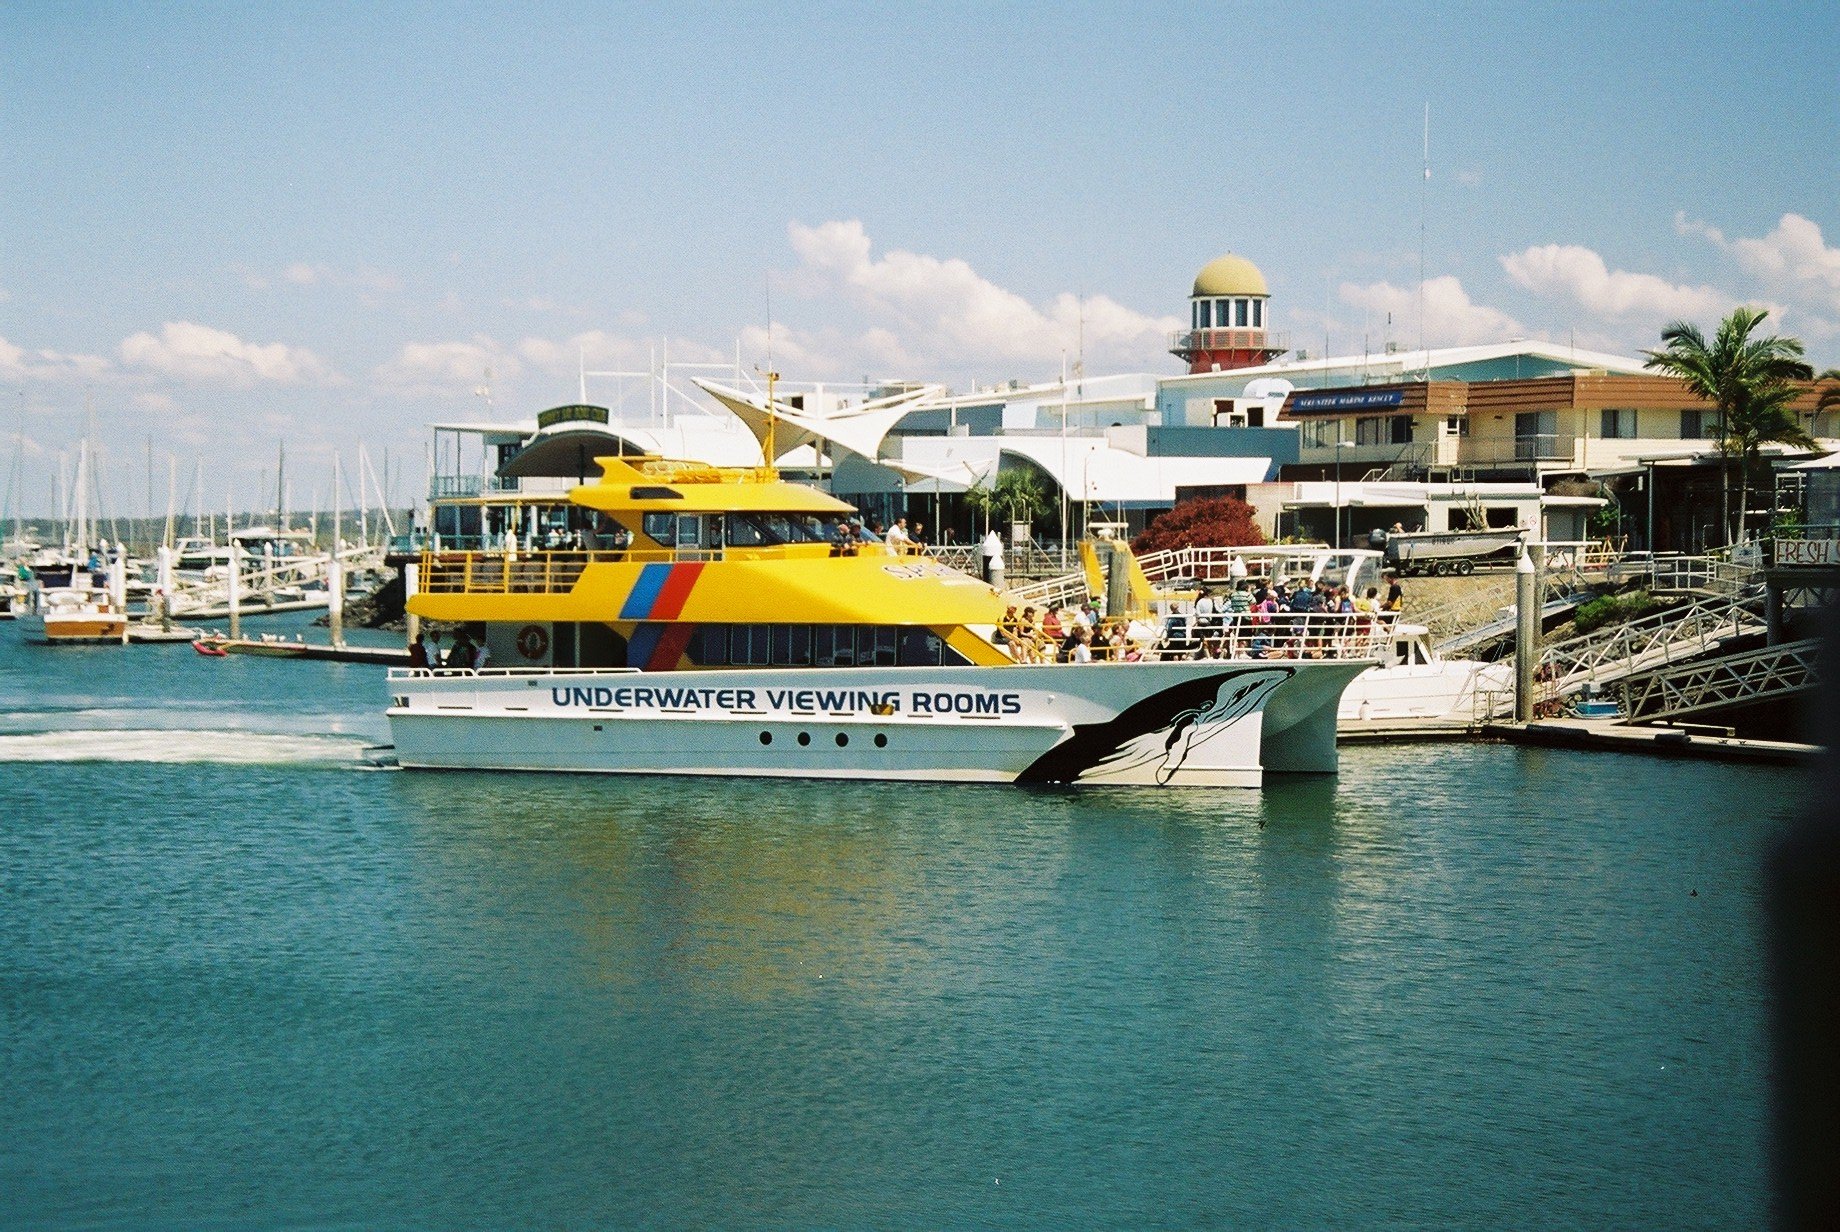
71, 631
1203, 724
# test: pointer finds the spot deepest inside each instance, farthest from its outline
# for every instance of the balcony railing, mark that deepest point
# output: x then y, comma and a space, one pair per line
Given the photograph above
1228, 340
1488, 451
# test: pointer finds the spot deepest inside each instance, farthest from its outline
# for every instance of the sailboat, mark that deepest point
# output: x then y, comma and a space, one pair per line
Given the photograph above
80, 602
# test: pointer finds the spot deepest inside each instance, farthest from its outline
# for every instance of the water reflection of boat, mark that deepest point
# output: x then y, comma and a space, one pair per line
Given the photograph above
713, 621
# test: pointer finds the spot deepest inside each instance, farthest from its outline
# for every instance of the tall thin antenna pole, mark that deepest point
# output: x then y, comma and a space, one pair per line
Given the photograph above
772, 376
1423, 190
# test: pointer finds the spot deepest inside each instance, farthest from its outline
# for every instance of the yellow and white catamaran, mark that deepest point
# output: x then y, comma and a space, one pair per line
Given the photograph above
703, 620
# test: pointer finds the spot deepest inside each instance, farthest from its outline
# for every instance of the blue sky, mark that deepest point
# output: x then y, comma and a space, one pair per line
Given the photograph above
225, 226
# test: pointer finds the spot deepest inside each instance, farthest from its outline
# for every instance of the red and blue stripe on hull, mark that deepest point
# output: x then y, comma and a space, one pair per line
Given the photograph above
656, 600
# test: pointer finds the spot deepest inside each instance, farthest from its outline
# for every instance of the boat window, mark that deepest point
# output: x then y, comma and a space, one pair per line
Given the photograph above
824, 646
689, 530
919, 648
745, 531
749, 645
661, 528
709, 645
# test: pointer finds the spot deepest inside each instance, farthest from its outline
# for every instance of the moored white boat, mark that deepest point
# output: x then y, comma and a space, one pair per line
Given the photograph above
66, 615
1416, 684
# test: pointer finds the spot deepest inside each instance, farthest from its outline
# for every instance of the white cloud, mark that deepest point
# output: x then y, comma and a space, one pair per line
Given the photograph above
1568, 271
1793, 260
598, 349
931, 312
19, 364
1451, 317
303, 274
447, 369
159, 404
364, 278
191, 352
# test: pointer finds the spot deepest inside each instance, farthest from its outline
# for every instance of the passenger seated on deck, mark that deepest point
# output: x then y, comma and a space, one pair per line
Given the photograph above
1051, 632
460, 654
1010, 633
1028, 637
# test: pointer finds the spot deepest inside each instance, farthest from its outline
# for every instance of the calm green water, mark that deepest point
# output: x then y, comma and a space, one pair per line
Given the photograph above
244, 982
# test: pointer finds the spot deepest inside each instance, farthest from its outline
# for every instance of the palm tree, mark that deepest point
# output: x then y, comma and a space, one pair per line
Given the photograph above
1014, 495
1830, 397
1750, 382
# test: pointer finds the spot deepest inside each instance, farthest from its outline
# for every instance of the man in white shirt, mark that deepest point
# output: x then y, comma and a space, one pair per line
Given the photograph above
897, 536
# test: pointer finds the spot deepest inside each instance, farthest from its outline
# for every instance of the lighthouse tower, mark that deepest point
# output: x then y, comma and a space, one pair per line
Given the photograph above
1228, 313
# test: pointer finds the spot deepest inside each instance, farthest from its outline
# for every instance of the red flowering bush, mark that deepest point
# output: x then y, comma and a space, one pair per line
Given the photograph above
1216, 522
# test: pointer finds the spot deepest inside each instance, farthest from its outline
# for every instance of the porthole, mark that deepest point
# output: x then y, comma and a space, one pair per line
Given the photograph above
881, 740
766, 737
804, 738
842, 739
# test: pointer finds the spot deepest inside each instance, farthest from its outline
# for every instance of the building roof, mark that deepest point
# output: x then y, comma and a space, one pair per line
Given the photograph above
1230, 275
1525, 357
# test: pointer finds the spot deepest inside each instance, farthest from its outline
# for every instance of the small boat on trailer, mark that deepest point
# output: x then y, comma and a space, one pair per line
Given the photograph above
1449, 551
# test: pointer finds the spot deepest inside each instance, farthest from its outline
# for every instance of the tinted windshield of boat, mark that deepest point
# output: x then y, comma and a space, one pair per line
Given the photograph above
768, 529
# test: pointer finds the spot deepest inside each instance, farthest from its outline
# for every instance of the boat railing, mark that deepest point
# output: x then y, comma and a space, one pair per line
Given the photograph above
520, 572
1225, 635
476, 673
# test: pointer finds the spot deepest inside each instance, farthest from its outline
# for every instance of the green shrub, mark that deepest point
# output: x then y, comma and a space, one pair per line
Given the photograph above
1613, 610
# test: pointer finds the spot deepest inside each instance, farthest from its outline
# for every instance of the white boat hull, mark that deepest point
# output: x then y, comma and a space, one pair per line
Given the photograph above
1456, 691
1208, 724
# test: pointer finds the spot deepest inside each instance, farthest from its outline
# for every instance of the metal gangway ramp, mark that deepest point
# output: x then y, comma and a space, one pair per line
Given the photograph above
1645, 644
1726, 680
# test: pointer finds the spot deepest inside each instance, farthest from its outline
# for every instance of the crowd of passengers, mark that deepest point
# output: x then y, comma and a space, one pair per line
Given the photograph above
1253, 619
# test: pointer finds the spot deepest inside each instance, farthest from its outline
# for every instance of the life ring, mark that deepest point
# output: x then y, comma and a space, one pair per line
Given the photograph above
533, 641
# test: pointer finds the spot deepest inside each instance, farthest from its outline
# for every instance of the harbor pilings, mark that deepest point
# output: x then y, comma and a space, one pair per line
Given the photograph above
1526, 636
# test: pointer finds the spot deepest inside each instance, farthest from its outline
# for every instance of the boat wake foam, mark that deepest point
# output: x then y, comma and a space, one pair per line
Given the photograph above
240, 748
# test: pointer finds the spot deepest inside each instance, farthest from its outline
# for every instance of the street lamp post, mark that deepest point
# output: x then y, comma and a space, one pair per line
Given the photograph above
1339, 446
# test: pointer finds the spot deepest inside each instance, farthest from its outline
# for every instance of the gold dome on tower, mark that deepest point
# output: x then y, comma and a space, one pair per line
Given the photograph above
1230, 275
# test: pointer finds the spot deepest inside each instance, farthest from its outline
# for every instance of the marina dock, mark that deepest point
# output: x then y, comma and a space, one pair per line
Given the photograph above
1665, 741
277, 648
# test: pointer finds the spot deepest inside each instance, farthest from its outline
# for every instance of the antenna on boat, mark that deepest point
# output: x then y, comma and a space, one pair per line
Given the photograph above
772, 376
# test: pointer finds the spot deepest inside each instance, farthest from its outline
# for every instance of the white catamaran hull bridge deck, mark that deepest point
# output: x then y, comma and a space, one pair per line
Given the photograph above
1209, 723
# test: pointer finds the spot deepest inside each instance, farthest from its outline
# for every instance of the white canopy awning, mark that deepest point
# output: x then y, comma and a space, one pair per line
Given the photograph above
859, 428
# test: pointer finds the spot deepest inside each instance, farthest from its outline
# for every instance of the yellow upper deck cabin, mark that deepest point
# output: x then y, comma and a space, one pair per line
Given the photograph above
674, 565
